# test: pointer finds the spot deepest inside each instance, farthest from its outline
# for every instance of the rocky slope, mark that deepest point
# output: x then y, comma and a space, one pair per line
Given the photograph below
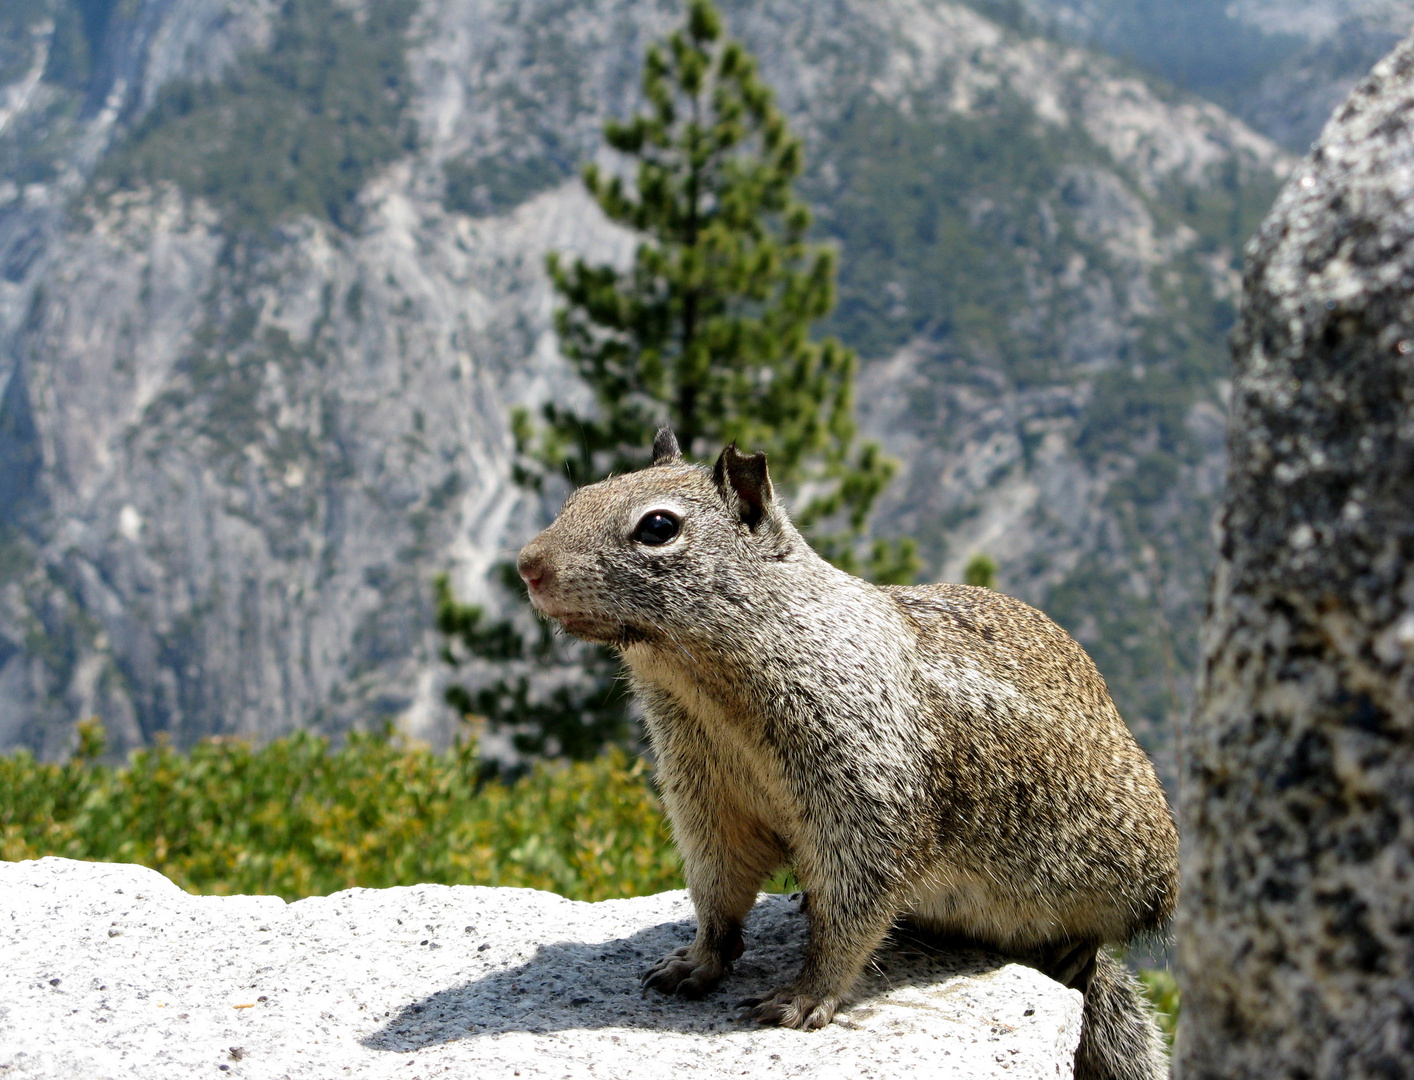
262, 325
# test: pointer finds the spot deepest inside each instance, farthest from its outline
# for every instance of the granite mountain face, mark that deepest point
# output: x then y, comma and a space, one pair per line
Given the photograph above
1281, 65
271, 278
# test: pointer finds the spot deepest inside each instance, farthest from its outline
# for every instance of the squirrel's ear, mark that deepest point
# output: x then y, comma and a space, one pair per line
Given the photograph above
745, 484
665, 447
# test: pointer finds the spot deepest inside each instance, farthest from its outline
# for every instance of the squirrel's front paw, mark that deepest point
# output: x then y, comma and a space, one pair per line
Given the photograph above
792, 1010
677, 973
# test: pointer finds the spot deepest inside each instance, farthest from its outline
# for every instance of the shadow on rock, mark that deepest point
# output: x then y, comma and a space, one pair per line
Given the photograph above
579, 986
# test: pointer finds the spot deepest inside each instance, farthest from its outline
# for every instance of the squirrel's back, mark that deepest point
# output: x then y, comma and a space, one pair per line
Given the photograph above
1039, 775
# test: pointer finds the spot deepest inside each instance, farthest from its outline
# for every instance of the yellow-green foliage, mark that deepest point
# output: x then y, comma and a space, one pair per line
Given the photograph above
296, 818
1162, 991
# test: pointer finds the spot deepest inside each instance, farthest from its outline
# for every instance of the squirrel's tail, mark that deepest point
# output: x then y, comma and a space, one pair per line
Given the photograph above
1119, 1036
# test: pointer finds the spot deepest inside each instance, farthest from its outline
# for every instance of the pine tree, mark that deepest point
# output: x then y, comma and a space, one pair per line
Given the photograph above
709, 331
981, 570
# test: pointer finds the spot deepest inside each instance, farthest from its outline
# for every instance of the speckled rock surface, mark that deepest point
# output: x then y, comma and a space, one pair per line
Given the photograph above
112, 971
1297, 921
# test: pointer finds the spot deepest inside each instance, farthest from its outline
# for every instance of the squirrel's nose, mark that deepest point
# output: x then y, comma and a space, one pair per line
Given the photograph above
534, 567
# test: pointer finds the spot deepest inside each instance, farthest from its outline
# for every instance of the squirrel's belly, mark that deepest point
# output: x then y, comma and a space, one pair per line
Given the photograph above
958, 904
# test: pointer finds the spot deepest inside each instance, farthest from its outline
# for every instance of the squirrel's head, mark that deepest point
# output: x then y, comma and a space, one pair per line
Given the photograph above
661, 553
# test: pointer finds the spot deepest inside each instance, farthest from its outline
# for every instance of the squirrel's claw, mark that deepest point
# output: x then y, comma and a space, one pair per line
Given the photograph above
650, 976
680, 976
791, 1010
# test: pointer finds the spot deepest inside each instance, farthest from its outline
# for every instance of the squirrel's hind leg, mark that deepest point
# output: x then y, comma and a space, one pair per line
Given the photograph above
1072, 964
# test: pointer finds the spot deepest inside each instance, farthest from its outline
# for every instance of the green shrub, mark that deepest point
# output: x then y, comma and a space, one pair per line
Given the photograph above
297, 818
1162, 992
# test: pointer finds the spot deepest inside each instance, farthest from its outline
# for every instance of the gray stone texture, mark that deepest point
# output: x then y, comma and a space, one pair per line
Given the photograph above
113, 971
1296, 926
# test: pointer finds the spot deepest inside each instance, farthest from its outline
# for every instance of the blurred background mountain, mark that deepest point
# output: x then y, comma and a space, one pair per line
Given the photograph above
272, 279
1281, 65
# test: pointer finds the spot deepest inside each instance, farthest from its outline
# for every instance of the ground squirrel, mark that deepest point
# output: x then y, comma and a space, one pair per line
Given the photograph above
939, 753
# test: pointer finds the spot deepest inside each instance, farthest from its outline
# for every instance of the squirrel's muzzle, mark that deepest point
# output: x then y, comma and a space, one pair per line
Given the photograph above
553, 595
534, 567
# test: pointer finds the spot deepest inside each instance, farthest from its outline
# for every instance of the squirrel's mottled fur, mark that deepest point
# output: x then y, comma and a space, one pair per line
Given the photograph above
941, 753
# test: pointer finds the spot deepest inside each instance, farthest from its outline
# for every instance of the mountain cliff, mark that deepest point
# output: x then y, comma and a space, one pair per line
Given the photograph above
1281, 65
271, 277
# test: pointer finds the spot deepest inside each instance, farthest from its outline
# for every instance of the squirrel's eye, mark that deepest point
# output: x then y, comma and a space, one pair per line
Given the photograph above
656, 528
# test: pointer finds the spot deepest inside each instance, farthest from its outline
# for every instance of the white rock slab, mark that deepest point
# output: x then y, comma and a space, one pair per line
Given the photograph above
111, 970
